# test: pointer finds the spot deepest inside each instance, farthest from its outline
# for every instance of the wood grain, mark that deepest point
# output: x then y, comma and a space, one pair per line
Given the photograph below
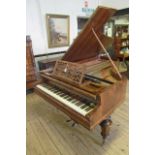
85, 45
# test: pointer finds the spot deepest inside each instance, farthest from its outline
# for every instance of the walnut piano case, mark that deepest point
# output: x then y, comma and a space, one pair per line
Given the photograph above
82, 85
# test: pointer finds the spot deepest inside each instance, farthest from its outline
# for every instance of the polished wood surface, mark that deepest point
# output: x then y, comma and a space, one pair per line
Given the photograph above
85, 45
108, 98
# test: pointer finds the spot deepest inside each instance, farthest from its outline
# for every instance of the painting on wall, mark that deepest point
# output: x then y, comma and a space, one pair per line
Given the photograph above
57, 30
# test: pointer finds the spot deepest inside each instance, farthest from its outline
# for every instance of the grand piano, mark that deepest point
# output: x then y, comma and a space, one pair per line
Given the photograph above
86, 84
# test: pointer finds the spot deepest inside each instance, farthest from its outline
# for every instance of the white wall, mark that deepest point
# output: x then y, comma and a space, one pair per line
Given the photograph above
36, 24
118, 4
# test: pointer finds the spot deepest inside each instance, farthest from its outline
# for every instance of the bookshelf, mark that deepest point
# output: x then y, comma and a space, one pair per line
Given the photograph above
121, 41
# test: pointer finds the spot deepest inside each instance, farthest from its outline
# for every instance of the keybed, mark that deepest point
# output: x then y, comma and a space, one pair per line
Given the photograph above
75, 102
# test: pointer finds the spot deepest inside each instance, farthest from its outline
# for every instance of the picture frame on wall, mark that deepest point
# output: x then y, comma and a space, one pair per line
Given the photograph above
57, 30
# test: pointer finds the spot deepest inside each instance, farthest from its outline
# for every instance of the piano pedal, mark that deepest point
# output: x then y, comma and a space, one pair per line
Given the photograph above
73, 124
69, 120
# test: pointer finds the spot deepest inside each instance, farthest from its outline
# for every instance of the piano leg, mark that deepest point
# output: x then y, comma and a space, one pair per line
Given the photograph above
105, 128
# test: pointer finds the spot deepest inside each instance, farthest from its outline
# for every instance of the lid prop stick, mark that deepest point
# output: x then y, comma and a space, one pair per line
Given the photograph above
113, 64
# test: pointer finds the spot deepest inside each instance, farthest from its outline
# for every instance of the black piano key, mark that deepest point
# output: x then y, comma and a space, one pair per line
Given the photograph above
60, 92
79, 103
65, 96
74, 101
48, 87
62, 95
84, 106
70, 98
89, 108
55, 91
92, 105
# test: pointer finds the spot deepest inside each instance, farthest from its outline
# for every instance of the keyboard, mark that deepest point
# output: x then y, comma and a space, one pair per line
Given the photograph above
75, 102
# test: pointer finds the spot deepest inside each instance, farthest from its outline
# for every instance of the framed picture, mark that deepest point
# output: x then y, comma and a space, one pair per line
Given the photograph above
57, 30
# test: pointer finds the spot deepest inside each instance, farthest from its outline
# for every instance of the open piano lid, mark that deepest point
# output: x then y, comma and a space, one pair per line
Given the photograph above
86, 46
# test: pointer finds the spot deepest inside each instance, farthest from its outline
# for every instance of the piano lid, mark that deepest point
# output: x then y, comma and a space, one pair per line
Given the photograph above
86, 46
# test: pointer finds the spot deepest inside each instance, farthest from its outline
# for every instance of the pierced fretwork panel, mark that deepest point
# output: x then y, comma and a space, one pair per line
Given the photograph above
72, 72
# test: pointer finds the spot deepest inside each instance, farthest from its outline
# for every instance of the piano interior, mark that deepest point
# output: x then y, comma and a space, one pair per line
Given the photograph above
88, 89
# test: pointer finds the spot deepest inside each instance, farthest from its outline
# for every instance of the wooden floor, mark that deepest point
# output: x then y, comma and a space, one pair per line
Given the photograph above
48, 133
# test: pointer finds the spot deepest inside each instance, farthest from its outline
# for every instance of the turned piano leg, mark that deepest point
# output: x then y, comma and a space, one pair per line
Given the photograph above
105, 128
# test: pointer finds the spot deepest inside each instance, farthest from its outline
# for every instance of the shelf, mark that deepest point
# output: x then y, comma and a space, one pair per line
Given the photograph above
124, 38
124, 46
121, 41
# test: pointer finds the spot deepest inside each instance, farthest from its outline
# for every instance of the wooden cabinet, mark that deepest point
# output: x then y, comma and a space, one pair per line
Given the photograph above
30, 65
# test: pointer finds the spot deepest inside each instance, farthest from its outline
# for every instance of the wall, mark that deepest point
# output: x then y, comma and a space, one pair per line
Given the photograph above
37, 9
34, 25
118, 4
